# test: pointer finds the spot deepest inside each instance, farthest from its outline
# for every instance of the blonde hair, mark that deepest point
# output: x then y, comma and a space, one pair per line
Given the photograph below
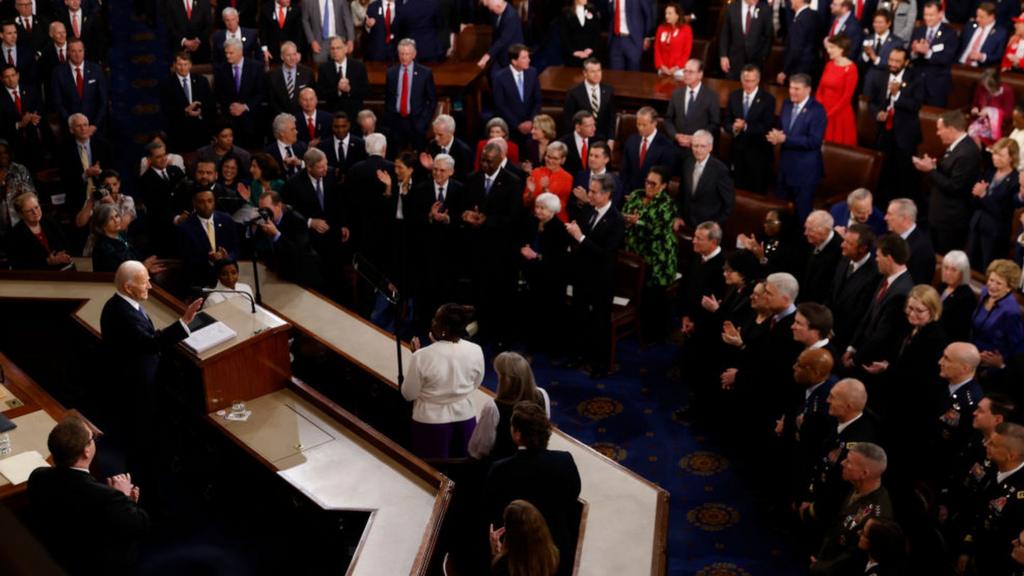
1007, 270
545, 124
928, 296
1011, 146
515, 379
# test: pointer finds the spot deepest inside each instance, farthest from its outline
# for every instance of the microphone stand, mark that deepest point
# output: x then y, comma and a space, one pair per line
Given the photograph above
385, 288
252, 301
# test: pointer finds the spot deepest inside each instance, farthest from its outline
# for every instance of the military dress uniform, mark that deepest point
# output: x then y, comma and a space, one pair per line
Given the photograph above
826, 488
839, 553
954, 432
998, 522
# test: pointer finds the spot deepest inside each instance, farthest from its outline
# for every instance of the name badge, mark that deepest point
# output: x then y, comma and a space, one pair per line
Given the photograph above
93, 81
938, 48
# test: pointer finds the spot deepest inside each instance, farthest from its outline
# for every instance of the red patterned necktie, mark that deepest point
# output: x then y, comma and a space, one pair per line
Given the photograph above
79, 82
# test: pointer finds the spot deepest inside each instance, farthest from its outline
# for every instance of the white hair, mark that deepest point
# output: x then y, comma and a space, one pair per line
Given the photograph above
229, 11
549, 201
445, 123
958, 259
280, 121
820, 219
312, 156
233, 43
446, 160
407, 42
858, 195
76, 116
703, 134
786, 283
376, 144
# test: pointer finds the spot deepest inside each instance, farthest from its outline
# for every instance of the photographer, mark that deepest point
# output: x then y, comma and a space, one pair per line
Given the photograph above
108, 192
283, 242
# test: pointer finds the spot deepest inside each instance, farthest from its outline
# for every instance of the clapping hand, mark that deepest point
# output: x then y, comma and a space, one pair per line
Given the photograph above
574, 230
980, 189
731, 335
495, 539
710, 303
924, 163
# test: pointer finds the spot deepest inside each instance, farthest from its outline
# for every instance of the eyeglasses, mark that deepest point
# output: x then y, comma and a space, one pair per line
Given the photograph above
651, 183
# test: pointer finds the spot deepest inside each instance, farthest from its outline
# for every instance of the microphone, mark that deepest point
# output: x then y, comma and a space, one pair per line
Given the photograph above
205, 290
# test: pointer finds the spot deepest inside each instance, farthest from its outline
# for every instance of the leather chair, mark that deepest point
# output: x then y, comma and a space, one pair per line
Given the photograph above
867, 125
773, 65
965, 78
847, 168
625, 126
748, 214
701, 49
472, 43
930, 143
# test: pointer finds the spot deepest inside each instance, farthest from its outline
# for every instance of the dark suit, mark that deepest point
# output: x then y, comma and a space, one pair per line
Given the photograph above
353, 153
549, 480
300, 193
935, 67
374, 213
990, 228
840, 212
578, 98
292, 255
194, 247
800, 162
48, 60
61, 495
576, 37
850, 295
64, 93
508, 30
249, 92
898, 140
187, 133
750, 48
712, 199
577, 209
272, 34
25, 142
410, 130
163, 200
507, 103
181, 27
39, 35
992, 46
321, 126
625, 52
298, 149
72, 175
826, 486
92, 31
958, 312
350, 102
816, 281
435, 244
421, 20
850, 28
574, 161
594, 284
879, 332
250, 45
24, 62
873, 73
802, 41
950, 197
661, 151
922, 257
702, 114
460, 152
25, 250
279, 99
752, 154
377, 45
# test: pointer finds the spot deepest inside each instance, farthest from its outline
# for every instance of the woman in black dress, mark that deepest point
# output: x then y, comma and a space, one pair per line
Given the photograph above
543, 257
580, 29
958, 298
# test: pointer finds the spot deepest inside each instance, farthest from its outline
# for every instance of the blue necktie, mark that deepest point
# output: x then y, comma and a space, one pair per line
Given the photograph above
746, 105
519, 85
327, 20
792, 121
320, 193
488, 182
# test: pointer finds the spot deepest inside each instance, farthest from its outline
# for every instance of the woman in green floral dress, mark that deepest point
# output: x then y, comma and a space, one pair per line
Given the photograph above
649, 214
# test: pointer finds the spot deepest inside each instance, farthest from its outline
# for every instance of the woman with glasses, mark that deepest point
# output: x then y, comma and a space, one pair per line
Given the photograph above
36, 241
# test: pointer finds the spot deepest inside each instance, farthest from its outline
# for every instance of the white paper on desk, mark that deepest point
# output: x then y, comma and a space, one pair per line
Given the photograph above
17, 468
202, 340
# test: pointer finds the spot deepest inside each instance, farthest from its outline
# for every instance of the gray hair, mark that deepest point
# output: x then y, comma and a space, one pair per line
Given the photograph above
557, 146
289, 44
496, 121
786, 283
873, 453
312, 156
1013, 434
444, 123
229, 11
76, 116
858, 195
606, 181
906, 208
367, 113
549, 201
376, 144
820, 219
101, 215
445, 159
234, 43
703, 134
958, 259
280, 122
407, 42
713, 229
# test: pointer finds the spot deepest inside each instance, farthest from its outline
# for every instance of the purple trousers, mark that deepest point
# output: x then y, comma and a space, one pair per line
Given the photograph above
435, 441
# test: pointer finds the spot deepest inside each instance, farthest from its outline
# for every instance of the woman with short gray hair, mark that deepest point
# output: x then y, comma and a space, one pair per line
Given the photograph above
958, 299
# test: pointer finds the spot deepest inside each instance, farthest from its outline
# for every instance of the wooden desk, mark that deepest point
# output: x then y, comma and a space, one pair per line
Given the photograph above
452, 79
627, 516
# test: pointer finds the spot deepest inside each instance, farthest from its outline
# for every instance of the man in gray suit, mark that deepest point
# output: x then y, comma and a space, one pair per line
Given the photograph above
319, 24
693, 107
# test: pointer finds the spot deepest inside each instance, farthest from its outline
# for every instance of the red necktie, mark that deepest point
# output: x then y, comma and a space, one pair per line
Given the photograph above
280, 16
188, 10
17, 101
60, 55
643, 151
860, 9
888, 118
79, 82
75, 29
403, 106
234, 3
311, 127
387, 22
835, 24
882, 290
746, 24
583, 153
10, 57
28, 24
618, 17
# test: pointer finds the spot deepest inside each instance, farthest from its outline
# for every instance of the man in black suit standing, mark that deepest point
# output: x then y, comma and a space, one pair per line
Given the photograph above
883, 325
823, 258
79, 86
343, 148
32, 28
490, 214
287, 81
15, 52
896, 103
445, 142
188, 106
83, 24
166, 196
749, 116
578, 141
285, 245
597, 241
133, 347
692, 107
342, 81
548, 479
409, 99
803, 37
951, 179
315, 124
901, 218
60, 496
704, 279
853, 284
706, 192
231, 30
189, 26
375, 205
205, 237
21, 111
434, 231
647, 148
286, 148
280, 22
746, 36
53, 52
238, 84
594, 96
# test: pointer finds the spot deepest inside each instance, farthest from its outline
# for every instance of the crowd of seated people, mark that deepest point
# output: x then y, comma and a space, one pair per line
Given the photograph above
844, 359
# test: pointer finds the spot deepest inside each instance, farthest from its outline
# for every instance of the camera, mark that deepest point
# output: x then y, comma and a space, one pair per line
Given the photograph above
100, 193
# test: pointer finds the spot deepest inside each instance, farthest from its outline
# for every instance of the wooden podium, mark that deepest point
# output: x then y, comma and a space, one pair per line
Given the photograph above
253, 363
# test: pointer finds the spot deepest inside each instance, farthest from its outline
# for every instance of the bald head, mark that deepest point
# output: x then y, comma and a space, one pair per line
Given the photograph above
813, 366
132, 280
959, 362
847, 399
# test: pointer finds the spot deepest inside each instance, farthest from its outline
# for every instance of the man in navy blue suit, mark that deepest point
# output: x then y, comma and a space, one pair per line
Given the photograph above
189, 25
250, 42
18, 53
286, 148
79, 86
238, 84
845, 22
205, 237
802, 41
379, 44
648, 147
508, 30
874, 59
21, 111
598, 157
343, 148
858, 208
409, 99
982, 41
933, 50
632, 24
801, 133
895, 101
517, 93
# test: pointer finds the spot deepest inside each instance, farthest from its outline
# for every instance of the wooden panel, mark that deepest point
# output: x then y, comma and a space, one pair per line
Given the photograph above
253, 369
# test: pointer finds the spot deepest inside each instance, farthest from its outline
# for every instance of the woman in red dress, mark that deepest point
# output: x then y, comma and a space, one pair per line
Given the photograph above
835, 92
672, 43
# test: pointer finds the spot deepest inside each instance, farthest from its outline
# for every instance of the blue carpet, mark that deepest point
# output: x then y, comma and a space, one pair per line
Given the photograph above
714, 527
